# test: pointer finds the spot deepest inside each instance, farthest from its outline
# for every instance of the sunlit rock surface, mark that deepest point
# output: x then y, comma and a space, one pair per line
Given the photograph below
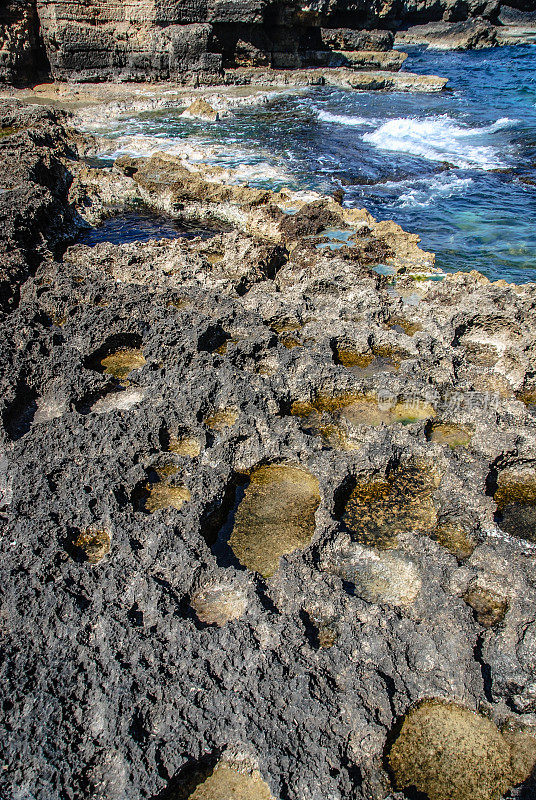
226, 546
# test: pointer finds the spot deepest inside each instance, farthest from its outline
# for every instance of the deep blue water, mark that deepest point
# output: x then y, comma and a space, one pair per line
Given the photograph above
457, 167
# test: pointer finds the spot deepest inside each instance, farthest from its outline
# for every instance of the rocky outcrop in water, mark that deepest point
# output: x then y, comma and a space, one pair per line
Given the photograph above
268, 515
470, 35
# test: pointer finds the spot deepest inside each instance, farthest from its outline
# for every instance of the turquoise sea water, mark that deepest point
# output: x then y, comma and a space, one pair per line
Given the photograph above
457, 167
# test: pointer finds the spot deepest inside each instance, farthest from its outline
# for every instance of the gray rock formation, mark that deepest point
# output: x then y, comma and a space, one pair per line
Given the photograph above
167, 407
192, 41
474, 34
22, 54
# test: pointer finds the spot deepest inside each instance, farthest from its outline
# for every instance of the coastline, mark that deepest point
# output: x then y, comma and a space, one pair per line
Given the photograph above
153, 389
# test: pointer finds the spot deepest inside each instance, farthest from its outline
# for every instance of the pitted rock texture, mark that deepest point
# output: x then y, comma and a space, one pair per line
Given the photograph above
137, 649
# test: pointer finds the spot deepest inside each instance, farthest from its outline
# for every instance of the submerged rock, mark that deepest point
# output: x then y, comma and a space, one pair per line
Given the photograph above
445, 750
516, 501
229, 781
379, 509
275, 517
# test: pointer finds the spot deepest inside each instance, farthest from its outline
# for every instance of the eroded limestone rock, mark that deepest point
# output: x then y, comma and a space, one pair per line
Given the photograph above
378, 577
219, 603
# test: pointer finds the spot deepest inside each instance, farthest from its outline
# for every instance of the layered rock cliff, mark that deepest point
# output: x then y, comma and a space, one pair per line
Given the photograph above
174, 39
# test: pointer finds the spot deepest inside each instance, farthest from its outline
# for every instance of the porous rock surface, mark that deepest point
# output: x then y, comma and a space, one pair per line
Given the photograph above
140, 657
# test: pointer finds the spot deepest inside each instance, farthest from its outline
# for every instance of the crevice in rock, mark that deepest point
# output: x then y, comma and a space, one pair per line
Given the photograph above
487, 680
19, 414
218, 521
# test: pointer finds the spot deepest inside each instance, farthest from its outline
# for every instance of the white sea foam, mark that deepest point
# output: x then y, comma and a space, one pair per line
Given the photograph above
428, 190
238, 165
341, 119
440, 138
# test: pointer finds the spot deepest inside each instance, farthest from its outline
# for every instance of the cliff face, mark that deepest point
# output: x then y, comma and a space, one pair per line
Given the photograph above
22, 56
171, 39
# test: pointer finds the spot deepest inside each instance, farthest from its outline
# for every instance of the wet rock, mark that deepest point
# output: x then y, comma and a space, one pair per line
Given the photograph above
445, 750
275, 517
489, 607
451, 433
379, 509
200, 109
309, 221
515, 496
367, 410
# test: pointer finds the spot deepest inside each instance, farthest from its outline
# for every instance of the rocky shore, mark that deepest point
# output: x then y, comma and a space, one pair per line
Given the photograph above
268, 495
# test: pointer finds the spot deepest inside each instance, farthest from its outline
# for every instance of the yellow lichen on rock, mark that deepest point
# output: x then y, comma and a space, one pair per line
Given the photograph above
164, 495
94, 543
448, 752
184, 446
122, 363
275, 517
222, 418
